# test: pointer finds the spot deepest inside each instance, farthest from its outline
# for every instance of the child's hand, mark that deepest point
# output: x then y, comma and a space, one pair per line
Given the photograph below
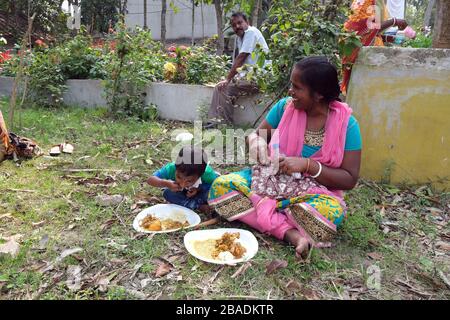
192, 192
173, 186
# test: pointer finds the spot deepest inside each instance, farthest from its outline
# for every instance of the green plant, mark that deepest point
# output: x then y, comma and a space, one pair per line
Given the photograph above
46, 79
421, 41
80, 60
136, 61
203, 67
295, 30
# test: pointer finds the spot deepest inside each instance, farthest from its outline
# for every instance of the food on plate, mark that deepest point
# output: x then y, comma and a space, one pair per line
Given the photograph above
225, 248
228, 243
152, 223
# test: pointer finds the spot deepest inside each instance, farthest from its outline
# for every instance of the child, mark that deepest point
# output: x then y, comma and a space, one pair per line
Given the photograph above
187, 180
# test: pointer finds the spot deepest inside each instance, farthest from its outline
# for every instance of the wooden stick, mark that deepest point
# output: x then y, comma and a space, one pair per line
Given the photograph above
18, 78
91, 170
207, 223
282, 92
444, 278
20, 190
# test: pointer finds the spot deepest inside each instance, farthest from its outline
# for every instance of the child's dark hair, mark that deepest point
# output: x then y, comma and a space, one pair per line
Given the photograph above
191, 161
320, 76
239, 14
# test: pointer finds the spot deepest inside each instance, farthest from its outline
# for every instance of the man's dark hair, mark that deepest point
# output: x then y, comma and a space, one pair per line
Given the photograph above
191, 161
239, 14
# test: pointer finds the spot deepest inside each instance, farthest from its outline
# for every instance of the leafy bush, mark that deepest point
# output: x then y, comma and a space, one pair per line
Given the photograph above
294, 30
80, 60
46, 79
136, 61
421, 41
203, 67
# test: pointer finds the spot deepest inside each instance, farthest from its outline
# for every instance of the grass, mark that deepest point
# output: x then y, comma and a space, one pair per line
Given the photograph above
43, 198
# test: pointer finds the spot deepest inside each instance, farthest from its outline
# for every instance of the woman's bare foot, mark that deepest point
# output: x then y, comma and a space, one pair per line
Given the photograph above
301, 244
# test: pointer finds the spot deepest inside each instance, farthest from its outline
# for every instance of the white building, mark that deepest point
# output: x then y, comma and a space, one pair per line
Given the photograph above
178, 25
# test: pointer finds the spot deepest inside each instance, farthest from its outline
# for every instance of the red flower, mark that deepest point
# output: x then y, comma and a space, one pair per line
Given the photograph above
5, 56
172, 49
40, 43
172, 55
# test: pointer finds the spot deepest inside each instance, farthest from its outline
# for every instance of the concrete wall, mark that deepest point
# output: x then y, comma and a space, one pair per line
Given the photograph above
84, 93
401, 98
174, 101
178, 25
188, 102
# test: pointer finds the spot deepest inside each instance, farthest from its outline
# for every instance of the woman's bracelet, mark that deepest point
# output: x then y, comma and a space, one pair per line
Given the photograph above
395, 22
319, 172
307, 165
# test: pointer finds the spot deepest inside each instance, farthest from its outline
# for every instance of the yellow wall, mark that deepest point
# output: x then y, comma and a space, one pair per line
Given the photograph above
404, 115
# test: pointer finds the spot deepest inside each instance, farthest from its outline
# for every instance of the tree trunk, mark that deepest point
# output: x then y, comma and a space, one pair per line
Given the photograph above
203, 20
193, 23
123, 9
441, 31
145, 14
220, 40
427, 18
163, 21
255, 12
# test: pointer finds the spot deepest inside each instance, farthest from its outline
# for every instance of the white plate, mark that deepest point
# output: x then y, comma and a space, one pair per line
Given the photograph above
167, 211
247, 239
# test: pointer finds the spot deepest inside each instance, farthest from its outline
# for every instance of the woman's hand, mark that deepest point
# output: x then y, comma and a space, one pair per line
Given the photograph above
258, 149
401, 24
290, 165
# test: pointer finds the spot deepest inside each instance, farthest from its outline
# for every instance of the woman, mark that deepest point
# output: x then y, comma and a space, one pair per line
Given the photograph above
4, 139
369, 19
319, 138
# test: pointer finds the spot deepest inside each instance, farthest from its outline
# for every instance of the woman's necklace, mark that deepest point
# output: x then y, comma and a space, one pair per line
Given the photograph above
314, 138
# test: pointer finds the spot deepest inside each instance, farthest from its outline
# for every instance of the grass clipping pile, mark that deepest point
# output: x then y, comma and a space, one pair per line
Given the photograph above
151, 223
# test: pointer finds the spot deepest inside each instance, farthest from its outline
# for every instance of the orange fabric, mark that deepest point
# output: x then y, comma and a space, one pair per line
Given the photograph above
358, 22
4, 136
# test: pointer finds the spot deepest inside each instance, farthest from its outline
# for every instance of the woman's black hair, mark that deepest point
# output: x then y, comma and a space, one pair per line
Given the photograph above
320, 76
239, 14
191, 161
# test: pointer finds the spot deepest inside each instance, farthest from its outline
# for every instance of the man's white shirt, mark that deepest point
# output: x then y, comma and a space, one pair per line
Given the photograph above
247, 44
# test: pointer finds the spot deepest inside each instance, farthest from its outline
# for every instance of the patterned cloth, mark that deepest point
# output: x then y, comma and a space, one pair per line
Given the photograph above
316, 216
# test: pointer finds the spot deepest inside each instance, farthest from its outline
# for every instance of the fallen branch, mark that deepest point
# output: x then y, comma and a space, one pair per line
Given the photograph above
92, 170
21, 190
245, 297
282, 92
207, 223
413, 290
444, 278
117, 215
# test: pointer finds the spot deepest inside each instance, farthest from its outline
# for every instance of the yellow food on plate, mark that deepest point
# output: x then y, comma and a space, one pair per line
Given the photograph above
225, 248
152, 223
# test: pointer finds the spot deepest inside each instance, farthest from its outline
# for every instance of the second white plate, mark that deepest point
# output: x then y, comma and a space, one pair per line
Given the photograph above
167, 211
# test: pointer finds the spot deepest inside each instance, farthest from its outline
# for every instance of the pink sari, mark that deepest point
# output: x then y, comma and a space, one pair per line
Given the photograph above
262, 212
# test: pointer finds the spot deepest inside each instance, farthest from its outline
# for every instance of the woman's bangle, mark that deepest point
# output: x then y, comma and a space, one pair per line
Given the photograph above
395, 22
319, 172
307, 165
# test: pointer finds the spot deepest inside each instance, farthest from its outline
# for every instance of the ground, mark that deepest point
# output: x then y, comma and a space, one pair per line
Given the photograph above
393, 245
